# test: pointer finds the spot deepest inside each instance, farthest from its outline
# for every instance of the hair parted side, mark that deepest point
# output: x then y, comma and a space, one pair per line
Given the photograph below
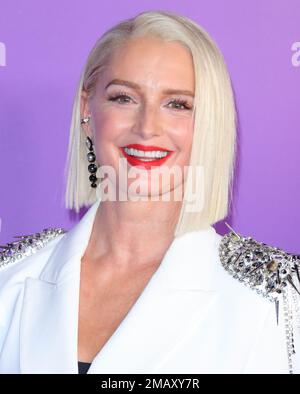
214, 139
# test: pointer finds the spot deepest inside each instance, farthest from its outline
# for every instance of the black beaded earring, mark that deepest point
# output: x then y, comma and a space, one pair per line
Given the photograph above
90, 156
91, 159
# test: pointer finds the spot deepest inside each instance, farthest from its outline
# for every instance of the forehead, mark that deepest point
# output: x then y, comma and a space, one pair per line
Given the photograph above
151, 61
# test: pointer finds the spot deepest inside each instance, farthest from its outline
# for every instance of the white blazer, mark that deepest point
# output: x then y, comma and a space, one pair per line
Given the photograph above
192, 317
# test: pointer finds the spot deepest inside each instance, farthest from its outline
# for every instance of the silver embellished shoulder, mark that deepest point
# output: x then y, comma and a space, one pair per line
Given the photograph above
270, 271
27, 245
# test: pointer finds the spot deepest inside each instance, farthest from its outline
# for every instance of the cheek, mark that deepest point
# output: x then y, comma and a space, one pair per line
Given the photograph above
182, 132
107, 131
106, 127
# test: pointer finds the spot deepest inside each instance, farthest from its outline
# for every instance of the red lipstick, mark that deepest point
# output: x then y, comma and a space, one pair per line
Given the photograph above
146, 147
148, 162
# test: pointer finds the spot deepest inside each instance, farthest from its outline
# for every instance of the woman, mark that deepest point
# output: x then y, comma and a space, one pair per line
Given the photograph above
139, 285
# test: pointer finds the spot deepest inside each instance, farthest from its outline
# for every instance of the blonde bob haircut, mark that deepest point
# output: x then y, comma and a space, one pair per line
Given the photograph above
214, 136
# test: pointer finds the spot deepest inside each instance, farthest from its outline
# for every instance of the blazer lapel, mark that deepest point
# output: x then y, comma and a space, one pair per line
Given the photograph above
152, 330
175, 300
49, 318
49, 327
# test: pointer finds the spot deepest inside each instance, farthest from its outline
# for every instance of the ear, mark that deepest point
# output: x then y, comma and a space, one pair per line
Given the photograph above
85, 111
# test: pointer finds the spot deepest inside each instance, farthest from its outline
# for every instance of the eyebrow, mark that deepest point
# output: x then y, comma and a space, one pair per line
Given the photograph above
134, 85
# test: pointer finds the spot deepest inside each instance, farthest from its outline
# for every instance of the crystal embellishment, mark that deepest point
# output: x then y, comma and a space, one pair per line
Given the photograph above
270, 271
27, 245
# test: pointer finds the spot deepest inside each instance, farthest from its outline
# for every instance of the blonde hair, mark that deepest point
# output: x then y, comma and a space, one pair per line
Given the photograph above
214, 138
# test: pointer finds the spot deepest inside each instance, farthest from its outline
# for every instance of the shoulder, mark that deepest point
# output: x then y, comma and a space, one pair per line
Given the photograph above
269, 276
263, 268
27, 255
239, 301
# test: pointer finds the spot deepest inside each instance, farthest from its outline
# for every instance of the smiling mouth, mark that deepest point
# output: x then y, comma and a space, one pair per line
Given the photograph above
145, 157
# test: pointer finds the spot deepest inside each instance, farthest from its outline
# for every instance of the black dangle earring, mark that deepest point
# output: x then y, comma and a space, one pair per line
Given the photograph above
91, 159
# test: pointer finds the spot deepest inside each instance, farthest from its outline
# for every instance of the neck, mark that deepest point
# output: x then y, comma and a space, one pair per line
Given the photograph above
133, 232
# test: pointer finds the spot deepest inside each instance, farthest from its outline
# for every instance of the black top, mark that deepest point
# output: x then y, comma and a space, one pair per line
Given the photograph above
83, 367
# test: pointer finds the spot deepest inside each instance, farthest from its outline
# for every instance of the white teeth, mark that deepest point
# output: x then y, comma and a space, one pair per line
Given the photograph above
148, 154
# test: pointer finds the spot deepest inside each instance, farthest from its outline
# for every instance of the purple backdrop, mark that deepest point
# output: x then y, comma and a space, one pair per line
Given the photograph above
43, 46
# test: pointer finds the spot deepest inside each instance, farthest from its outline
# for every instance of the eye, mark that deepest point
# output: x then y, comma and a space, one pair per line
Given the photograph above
181, 103
119, 97
123, 98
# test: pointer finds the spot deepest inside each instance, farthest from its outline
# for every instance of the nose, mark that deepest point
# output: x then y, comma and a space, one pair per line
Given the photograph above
148, 123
